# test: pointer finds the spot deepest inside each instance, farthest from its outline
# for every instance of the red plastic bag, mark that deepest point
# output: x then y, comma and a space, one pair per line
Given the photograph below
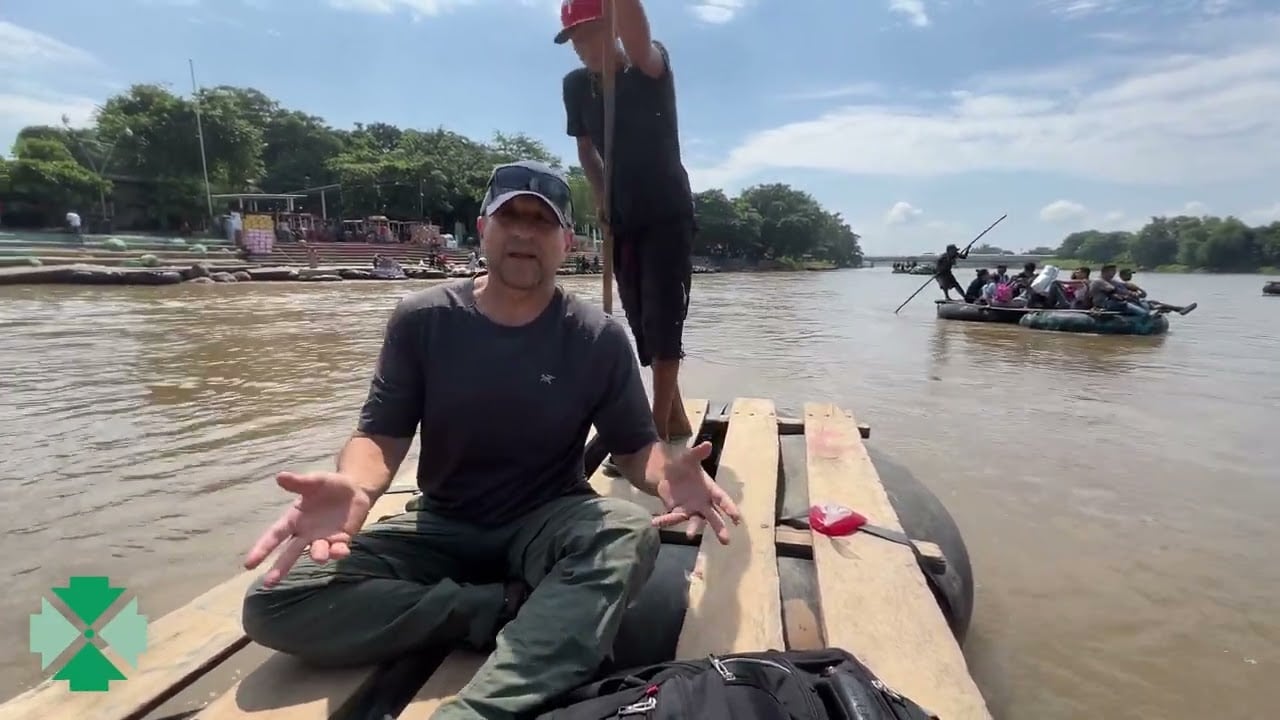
835, 520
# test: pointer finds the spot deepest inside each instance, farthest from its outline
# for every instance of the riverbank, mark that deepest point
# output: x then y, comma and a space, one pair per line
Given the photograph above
207, 273
200, 273
1069, 263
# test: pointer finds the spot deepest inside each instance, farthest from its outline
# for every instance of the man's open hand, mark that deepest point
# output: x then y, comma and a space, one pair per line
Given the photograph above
329, 511
688, 493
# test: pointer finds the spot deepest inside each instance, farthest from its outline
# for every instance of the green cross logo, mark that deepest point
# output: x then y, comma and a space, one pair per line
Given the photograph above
89, 599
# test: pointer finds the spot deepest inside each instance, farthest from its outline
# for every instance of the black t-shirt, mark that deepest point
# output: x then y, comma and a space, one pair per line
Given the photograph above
504, 411
975, 289
650, 184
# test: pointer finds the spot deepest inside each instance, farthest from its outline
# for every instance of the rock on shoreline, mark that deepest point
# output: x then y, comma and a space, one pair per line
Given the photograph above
200, 273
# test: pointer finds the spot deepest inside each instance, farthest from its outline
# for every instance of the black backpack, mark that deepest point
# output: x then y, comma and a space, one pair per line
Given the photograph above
825, 684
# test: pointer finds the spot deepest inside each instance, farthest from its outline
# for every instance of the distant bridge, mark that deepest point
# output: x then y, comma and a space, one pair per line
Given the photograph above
1013, 261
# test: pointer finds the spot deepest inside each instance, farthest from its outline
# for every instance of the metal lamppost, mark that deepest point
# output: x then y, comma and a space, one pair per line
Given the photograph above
99, 170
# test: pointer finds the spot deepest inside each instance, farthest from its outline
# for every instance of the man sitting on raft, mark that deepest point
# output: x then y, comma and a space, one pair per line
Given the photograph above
1140, 296
974, 293
508, 550
1108, 293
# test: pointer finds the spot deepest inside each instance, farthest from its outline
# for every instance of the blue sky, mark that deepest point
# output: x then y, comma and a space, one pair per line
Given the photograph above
920, 120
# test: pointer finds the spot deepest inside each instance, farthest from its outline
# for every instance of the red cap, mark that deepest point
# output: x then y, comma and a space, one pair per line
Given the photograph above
575, 12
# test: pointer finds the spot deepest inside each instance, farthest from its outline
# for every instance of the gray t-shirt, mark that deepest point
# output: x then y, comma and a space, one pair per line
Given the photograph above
504, 411
1100, 292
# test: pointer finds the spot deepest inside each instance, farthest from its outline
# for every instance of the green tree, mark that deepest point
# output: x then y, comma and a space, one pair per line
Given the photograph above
791, 220
1155, 244
510, 148
1208, 243
46, 181
584, 208
726, 227
985, 249
252, 143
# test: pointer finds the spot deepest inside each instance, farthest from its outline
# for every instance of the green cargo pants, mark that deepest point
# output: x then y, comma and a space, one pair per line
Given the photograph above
417, 580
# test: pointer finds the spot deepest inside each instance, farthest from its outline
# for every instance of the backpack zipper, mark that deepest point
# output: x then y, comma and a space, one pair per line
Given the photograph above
759, 661
719, 665
886, 690
638, 708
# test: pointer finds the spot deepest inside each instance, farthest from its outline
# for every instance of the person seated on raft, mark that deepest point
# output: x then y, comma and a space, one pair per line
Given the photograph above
1104, 294
1077, 289
1057, 297
508, 550
1026, 277
1001, 274
974, 292
1000, 294
1140, 296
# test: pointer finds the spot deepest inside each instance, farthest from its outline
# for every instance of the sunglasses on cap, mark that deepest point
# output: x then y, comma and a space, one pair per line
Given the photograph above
509, 181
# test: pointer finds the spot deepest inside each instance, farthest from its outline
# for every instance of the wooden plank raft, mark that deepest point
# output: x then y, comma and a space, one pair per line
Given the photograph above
867, 595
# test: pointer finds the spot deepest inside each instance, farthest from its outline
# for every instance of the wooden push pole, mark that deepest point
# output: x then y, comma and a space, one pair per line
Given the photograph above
608, 73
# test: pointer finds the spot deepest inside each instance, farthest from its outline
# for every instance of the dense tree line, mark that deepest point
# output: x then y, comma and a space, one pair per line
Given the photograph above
144, 143
1209, 243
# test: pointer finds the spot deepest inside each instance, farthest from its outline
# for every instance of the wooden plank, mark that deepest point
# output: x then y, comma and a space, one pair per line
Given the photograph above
735, 602
787, 425
181, 646
282, 688
794, 543
619, 487
872, 596
457, 669
444, 683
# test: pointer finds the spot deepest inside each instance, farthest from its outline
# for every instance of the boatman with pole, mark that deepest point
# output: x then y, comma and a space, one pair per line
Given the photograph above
943, 272
644, 199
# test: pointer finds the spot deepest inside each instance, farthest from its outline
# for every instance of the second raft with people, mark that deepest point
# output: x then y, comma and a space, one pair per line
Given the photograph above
1109, 303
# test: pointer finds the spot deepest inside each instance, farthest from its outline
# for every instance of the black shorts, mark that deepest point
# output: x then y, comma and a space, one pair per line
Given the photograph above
947, 281
654, 269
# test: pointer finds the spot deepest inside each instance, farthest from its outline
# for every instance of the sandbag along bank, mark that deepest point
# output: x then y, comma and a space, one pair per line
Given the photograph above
199, 273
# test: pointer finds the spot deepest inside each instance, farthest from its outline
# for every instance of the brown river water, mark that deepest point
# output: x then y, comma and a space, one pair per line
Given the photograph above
1118, 495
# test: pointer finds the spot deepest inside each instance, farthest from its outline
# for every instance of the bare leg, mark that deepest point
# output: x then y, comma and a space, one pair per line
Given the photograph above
678, 420
665, 394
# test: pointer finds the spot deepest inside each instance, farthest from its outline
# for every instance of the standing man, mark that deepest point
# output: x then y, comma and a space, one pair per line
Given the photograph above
943, 271
73, 224
652, 205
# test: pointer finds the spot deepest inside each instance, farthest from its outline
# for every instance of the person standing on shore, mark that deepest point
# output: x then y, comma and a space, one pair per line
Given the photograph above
651, 213
73, 224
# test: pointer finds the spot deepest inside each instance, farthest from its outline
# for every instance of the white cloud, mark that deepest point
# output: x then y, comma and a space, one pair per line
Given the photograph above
902, 213
1263, 216
1081, 8
1119, 220
1180, 119
1193, 208
418, 8
1060, 211
1074, 9
717, 12
25, 57
857, 89
913, 10
22, 49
